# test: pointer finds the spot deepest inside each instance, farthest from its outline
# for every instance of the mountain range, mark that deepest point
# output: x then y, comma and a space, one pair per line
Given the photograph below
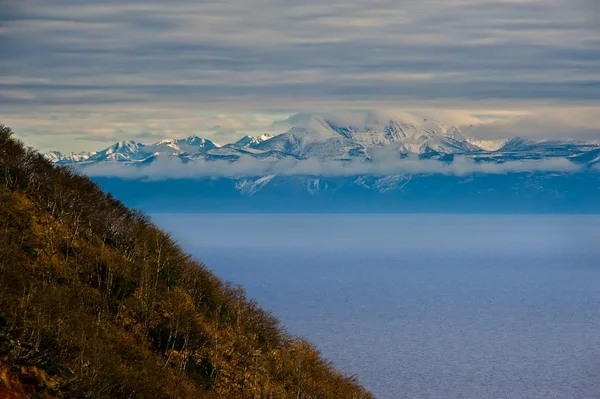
392, 165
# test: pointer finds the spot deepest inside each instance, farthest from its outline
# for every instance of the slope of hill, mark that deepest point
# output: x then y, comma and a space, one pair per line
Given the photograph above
97, 302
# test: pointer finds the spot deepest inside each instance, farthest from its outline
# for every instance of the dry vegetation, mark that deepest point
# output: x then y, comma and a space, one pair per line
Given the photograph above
96, 302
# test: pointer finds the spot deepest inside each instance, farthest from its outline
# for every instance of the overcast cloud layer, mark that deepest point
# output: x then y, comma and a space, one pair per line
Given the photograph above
80, 75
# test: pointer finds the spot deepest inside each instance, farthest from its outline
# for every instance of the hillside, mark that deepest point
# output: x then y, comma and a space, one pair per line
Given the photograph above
96, 302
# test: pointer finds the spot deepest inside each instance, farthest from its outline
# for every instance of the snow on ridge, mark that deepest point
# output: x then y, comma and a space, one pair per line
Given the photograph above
250, 187
488, 145
69, 157
248, 141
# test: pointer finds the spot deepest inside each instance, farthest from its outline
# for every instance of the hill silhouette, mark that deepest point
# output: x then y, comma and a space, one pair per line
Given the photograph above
97, 302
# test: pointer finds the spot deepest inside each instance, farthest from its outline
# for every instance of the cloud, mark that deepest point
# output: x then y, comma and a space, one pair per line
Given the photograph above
358, 118
134, 61
582, 124
562, 123
591, 9
169, 167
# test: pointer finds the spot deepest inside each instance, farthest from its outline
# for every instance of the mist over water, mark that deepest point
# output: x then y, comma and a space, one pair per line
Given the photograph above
424, 306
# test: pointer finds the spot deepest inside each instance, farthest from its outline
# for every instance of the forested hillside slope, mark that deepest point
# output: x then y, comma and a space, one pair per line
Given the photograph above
96, 302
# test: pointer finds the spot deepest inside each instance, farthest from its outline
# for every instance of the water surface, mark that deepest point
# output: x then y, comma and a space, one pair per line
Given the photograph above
424, 306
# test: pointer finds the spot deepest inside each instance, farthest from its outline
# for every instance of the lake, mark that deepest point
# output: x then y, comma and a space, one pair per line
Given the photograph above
424, 306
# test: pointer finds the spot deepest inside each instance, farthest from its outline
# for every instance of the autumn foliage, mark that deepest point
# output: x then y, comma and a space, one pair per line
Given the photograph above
96, 302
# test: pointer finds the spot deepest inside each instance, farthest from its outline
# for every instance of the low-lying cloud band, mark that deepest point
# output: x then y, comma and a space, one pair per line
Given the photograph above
169, 167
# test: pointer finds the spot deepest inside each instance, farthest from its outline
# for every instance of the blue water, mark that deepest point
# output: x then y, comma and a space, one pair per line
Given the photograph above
424, 306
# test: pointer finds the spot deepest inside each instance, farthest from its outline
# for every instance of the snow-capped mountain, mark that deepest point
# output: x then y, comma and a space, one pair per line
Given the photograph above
327, 164
248, 141
189, 145
57, 156
317, 138
131, 151
325, 139
121, 151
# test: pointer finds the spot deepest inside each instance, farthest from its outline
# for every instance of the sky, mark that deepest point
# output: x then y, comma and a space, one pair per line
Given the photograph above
80, 75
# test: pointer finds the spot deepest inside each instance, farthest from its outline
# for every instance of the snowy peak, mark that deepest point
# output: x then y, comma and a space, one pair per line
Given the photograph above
122, 151
131, 151
249, 141
454, 133
335, 139
198, 142
190, 144
124, 147
127, 145
488, 145
516, 143
69, 157
317, 139
53, 156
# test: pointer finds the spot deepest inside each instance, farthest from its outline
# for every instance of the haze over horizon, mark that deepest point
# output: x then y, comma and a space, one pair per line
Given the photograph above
80, 76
